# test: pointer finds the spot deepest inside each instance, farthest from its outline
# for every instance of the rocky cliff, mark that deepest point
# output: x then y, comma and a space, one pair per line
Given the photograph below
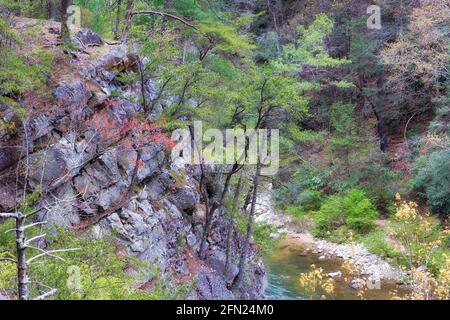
99, 169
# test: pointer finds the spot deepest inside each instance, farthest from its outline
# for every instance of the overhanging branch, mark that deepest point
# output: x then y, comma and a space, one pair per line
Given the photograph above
164, 14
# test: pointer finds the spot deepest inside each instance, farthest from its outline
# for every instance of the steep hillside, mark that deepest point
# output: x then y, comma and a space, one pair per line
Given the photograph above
101, 169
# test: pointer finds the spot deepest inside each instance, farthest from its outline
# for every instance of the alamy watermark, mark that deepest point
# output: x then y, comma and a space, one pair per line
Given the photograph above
74, 16
374, 20
74, 279
214, 146
373, 284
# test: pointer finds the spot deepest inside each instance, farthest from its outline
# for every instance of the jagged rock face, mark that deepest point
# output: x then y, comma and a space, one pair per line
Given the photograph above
86, 38
8, 156
94, 176
9, 152
185, 199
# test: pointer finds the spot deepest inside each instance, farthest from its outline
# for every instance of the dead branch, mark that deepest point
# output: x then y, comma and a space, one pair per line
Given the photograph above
46, 295
165, 14
50, 253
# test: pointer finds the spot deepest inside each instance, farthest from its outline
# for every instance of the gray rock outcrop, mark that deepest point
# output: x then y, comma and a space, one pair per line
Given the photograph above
82, 155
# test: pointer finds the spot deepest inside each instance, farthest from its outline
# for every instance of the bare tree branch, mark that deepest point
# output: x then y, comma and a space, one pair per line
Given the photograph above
34, 239
8, 215
50, 253
46, 295
165, 14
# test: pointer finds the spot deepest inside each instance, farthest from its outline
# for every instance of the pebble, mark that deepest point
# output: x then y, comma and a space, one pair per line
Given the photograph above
336, 274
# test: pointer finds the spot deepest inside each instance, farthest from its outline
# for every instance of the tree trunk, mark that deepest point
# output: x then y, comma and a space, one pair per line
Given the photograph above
128, 18
210, 212
379, 114
142, 77
22, 276
65, 32
51, 10
117, 22
231, 224
248, 236
382, 133
207, 230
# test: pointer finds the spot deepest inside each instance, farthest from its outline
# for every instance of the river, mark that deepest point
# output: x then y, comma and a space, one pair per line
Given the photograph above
288, 260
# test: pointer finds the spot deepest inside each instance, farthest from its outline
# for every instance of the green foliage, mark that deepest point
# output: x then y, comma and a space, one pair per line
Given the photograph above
432, 180
20, 73
363, 50
269, 46
342, 84
6, 33
261, 235
380, 183
96, 15
308, 201
7, 271
222, 66
308, 48
376, 242
311, 177
352, 209
101, 270
27, 205
424, 240
305, 136
344, 139
7, 241
342, 118
10, 128
226, 37
441, 123
198, 10
307, 177
341, 234
27, 8
95, 271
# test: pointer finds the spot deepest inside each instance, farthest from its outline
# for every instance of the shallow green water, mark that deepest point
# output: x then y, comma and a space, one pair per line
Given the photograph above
288, 261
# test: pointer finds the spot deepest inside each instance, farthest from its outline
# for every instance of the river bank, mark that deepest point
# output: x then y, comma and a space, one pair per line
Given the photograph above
294, 243
288, 261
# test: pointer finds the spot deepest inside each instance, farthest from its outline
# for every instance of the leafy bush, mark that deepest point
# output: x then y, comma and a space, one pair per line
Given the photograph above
96, 271
376, 243
268, 45
312, 177
425, 240
432, 180
261, 236
310, 200
379, 182
339, 235
352, 208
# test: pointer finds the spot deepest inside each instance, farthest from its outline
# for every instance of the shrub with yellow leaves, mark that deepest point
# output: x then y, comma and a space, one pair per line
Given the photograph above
427, 286
316, 280
419, 235
421, 239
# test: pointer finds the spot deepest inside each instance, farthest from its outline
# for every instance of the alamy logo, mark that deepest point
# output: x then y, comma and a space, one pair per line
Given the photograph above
373, 284
374, 21
74, 16
214, 146
74, 278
